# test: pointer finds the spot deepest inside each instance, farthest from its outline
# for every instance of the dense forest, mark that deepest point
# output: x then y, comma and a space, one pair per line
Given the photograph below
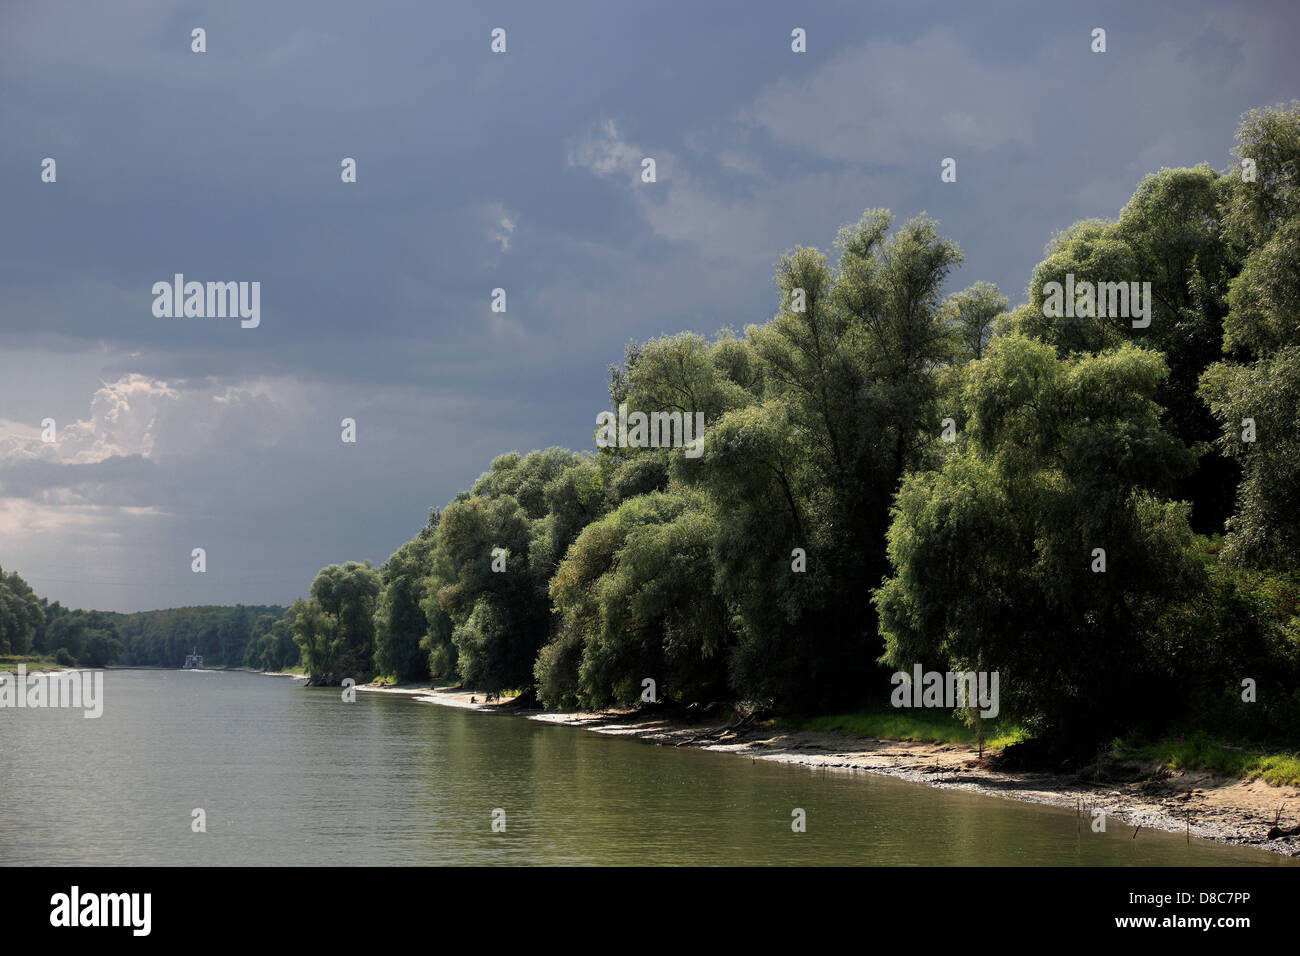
253, 636
1101, 509
225, 636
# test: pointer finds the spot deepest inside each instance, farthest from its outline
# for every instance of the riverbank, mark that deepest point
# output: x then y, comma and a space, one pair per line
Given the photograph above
1139, 795
9, 664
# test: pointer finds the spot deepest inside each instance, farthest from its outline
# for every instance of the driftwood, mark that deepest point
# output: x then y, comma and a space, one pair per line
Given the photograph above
714, 734
1276, 831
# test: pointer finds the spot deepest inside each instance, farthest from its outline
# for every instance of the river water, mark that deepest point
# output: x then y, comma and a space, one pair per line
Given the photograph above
288, 775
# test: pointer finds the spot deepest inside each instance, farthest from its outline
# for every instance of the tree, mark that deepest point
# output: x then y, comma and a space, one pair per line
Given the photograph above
847, 406
284, 651
102, 648
495, 550
635, 596
1041, 547
346, 595
974, 312
21, 616
1170, 235
316, 633
50, 613
73, 631
497, 623
400, 620
1256, 396
1262, 400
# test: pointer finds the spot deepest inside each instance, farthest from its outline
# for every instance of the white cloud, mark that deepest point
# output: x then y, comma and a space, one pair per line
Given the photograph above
142, 416
605, 153
739, 230
887, 102
501, 225
121, 422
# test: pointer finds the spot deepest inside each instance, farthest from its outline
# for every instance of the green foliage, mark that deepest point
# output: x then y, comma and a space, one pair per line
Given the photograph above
931, 726
101, 649
1202, 750
401, 623
847, 406
74, 631
527, 509
625, 478
317, 635
993, 551
21, 615
1262, 330
335, 628
743, 573
1239, 624
1271, 138
635, 595
272, 647
687, 373
163, 638
1265, 531
1265, 298
225, 636
974, 313
1170, 235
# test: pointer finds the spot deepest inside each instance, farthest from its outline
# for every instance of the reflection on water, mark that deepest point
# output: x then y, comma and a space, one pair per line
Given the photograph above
292, 775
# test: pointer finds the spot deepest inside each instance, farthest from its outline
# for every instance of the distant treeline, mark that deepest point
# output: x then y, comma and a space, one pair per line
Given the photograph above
226, 636
1105, 511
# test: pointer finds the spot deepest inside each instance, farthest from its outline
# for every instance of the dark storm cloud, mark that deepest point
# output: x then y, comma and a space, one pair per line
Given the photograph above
478, 171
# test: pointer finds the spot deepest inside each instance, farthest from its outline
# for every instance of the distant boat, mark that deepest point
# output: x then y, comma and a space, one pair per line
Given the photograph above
193, 662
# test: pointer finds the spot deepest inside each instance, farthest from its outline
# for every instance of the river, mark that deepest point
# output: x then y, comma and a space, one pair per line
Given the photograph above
288, 775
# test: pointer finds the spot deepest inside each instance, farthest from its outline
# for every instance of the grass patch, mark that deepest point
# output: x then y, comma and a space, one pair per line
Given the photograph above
1201, 751
10, 662
390, 680
930, 726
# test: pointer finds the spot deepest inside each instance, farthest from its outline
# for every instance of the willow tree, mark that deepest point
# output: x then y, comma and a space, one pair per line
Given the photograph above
1170, 234
1256, 394
401, 621
803, 477
974, 313
315, 631
1044, 547
335, 629
21, 617
636, 601
496, 548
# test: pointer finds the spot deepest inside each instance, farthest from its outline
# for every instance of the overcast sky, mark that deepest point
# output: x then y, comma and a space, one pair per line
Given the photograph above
475, 171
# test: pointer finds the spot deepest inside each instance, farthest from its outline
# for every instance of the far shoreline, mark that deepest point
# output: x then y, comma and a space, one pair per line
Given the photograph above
1222, 809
